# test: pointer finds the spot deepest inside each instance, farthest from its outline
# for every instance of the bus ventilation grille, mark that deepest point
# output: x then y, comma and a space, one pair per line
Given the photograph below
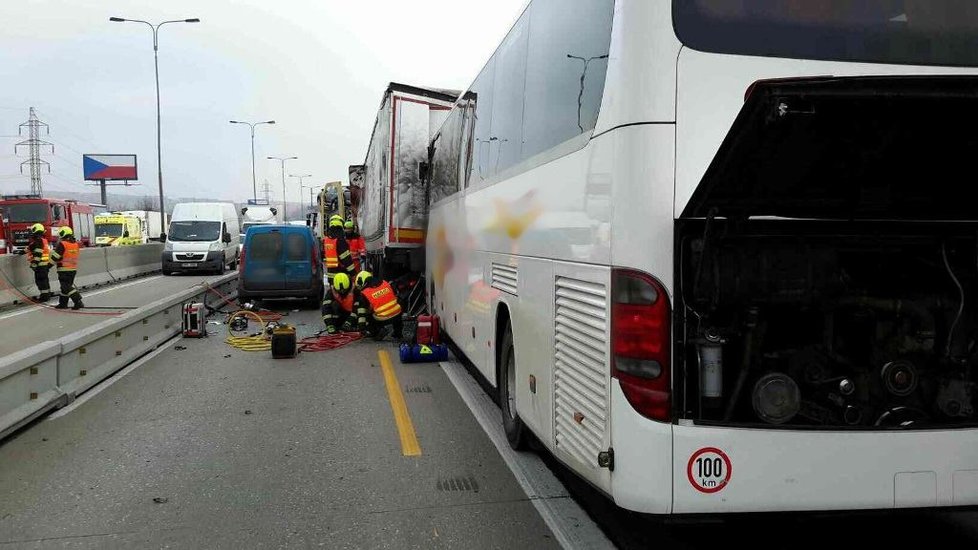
580, 368
504, 277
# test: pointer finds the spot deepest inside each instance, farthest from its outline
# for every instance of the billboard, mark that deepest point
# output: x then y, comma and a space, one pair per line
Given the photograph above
109, 167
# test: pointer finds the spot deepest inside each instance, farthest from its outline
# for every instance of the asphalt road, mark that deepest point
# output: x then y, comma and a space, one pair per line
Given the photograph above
240, 450
26, 326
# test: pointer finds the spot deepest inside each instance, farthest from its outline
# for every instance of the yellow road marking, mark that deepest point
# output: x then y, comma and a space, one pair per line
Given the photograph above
405, 428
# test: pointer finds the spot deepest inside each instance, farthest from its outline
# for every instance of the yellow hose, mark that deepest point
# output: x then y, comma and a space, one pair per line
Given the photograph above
256, 342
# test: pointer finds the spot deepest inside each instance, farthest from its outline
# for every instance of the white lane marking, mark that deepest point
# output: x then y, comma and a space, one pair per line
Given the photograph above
85, 294
568, 522
92, 392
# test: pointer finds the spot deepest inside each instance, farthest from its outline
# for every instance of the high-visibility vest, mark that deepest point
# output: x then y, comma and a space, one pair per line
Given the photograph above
383, 301
69, 260
45, 258
329, 252
345, 302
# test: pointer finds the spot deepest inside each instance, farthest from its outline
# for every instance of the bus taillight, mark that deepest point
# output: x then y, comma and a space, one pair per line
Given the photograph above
640, 342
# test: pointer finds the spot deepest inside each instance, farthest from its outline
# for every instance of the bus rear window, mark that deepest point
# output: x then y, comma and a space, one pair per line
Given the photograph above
914, 32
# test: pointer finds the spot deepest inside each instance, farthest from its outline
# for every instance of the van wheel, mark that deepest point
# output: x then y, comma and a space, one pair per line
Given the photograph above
516, 432
224, 262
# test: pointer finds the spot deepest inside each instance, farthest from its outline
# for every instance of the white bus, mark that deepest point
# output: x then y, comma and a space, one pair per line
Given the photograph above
763, 295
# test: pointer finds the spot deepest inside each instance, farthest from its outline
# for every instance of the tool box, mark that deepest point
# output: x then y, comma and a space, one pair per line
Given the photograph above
283, 342
427, 331
194, 323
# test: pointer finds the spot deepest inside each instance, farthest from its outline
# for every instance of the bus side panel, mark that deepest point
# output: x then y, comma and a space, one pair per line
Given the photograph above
790, 470
642, 480
642, 178
532, 313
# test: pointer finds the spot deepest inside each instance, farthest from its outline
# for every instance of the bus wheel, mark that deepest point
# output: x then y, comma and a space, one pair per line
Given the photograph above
512, 424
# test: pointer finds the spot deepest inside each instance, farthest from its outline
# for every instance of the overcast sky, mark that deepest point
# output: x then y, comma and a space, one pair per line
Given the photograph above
317, 67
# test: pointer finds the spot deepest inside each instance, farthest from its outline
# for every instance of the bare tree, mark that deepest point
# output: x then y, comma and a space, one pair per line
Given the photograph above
147, 203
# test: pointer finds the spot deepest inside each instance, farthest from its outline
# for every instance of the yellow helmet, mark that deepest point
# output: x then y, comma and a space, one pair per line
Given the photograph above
336, 222
341, 282
362, 278
65, 232
348, 225
37, 228
335, 217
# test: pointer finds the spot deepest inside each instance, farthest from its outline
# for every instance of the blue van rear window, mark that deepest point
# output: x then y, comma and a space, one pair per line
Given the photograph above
265, 246
298, 248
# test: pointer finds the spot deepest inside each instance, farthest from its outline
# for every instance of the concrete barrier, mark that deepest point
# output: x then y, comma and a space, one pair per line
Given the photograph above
48, 375
96, 267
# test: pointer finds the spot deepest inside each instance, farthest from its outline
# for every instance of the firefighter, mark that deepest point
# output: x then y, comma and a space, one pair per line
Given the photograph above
39, 256
337, 308
377, 306
65, 255
336, 251
357, 247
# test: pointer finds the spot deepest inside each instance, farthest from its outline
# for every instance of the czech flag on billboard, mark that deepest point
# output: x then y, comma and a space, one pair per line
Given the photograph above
109, 167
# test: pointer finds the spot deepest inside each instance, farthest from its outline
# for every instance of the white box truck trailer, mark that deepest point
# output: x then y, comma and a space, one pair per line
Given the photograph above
393, 211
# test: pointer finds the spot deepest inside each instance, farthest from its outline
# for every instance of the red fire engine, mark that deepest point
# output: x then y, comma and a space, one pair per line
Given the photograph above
20, 212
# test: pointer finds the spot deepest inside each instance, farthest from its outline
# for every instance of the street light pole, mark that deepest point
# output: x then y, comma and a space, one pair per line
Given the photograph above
156, 65
301, 186
254, 184
285, 204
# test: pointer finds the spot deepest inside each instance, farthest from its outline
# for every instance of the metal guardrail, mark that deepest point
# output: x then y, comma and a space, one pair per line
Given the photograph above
96, 267
50, 375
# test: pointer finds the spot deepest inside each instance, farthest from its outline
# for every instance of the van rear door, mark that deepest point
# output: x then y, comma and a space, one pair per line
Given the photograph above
265, 265
299, 272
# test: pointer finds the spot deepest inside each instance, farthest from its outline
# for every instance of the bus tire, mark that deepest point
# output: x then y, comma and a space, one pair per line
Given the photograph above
516, 432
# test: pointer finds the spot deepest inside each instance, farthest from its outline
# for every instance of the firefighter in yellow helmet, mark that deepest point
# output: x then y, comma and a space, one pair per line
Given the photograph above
377, 306
39, 257
65, 256
336, 251
337, 307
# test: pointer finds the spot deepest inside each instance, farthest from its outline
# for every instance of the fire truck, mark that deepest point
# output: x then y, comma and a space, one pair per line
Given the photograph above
20, 212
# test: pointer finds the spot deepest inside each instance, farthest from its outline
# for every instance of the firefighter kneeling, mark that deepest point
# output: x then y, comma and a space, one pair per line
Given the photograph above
377, 306
65, 256
337, 307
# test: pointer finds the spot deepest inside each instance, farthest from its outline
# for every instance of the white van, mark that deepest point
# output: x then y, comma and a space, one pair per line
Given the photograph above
203, 236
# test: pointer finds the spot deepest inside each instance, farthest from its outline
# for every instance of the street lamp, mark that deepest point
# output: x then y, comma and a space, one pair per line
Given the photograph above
254, 186
580, 95
301, 187
285, 205
312, 202
156, 62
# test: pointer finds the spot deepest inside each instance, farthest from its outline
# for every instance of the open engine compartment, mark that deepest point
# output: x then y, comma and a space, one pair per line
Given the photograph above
827, 324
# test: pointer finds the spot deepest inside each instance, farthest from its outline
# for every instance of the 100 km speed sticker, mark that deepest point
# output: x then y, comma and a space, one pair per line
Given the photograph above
708, 470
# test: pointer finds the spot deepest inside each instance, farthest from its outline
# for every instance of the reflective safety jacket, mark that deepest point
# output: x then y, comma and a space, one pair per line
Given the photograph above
65, 255
382, 301
329, 253
336, 255
38, 252
345, 302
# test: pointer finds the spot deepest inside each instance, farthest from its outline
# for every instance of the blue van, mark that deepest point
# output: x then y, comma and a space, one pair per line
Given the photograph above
280, 261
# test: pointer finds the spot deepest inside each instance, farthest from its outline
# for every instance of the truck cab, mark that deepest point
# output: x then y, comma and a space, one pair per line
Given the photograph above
23, 211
